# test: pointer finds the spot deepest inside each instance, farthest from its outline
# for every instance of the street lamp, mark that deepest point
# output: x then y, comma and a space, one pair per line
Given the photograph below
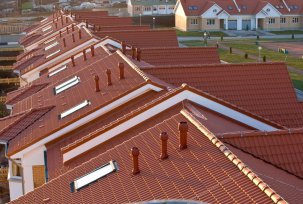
259, 48
205, 38
154, 22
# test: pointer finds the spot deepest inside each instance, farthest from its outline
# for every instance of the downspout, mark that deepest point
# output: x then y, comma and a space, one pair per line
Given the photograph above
21, 168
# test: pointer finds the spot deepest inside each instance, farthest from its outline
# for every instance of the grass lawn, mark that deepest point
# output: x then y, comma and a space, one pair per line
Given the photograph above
287, 32
27, 5
233, 58
297, 80
199, 34
252, 49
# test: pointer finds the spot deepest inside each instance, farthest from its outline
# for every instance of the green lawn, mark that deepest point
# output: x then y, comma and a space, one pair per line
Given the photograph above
199, 33
271, 55
233, 58
287, 32
297, 80
27, 5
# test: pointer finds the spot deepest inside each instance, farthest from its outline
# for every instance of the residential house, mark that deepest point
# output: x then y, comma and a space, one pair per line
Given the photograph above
150, 7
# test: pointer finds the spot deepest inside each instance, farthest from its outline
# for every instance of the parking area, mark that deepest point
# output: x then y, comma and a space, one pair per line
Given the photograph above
294, 48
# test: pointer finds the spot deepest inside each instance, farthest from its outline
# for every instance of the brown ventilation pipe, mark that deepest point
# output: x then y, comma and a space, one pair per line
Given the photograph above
73, 27
66, 19
123, 45
80, 34
183, 129
60, 33
62, 22
133, 52
94, 28
86, 23
99, 29
138, 54
84, 55
73, 36
97, 83
121, 68
92, 50
109, 79
135, 153
164, 138
67, 30
56, 26
64, 42
73, 60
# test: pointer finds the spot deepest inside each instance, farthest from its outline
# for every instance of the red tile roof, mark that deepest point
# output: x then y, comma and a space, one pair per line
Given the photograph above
73, 96
282, 149
178, 56
288, 186
144, 38
178, 177
200, 6
264, 89
40, 56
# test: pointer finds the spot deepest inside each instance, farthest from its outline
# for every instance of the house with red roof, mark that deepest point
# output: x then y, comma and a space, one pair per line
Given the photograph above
238, 14
126, 120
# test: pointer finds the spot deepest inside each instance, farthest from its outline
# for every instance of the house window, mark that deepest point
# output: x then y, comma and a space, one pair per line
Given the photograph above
210, 21
271, 21
295, 20
66, 85
282, 20
194, 21
147, 8
93, 176
74, 109
16, 170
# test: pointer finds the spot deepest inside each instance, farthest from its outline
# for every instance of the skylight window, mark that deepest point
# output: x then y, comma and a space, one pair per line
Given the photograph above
230, 8
93, 176
74, 109
66, 85
56, 52
46, 29
56, 71
51, 46
193, 8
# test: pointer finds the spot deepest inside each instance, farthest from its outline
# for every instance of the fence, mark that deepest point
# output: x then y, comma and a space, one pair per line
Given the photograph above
3, 174
12, 29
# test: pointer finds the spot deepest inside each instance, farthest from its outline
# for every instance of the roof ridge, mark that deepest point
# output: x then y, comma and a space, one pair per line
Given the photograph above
264, 187
257, 133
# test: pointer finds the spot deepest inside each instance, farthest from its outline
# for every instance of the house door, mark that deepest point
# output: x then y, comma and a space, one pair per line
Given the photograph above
222, 24
260, 23
232, 24
246, 25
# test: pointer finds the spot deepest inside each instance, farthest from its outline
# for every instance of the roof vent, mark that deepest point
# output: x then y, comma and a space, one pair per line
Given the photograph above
73, 27
164, 138
73, 36
62, 22
84, 55
183, 129
135, 153
133, 52
121, 68
67, 30
80, 34
56, 25
86, 23
64, 42
138, 54
109, 79
123, 45
66, 19
92, 50
96, 78
60, 33
73, 60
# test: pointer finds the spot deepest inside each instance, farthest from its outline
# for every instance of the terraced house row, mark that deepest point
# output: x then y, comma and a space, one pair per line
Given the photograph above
110, 112
238, 14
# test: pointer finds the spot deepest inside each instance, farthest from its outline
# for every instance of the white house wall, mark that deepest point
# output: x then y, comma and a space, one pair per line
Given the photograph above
211, 12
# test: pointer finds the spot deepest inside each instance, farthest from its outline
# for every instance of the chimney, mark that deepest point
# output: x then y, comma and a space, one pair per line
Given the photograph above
121, 68
99, 28
109, 79
64, 42
73, 60
164, 138
86, 23
56, 26
60, 33
66, 19
84, 55
73, 36
133, 52
92, 50
135, 153
97, 83
94, 28
80, 34
123, 45
73, 27
138, 54
62, 22
183, 129
67, 30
